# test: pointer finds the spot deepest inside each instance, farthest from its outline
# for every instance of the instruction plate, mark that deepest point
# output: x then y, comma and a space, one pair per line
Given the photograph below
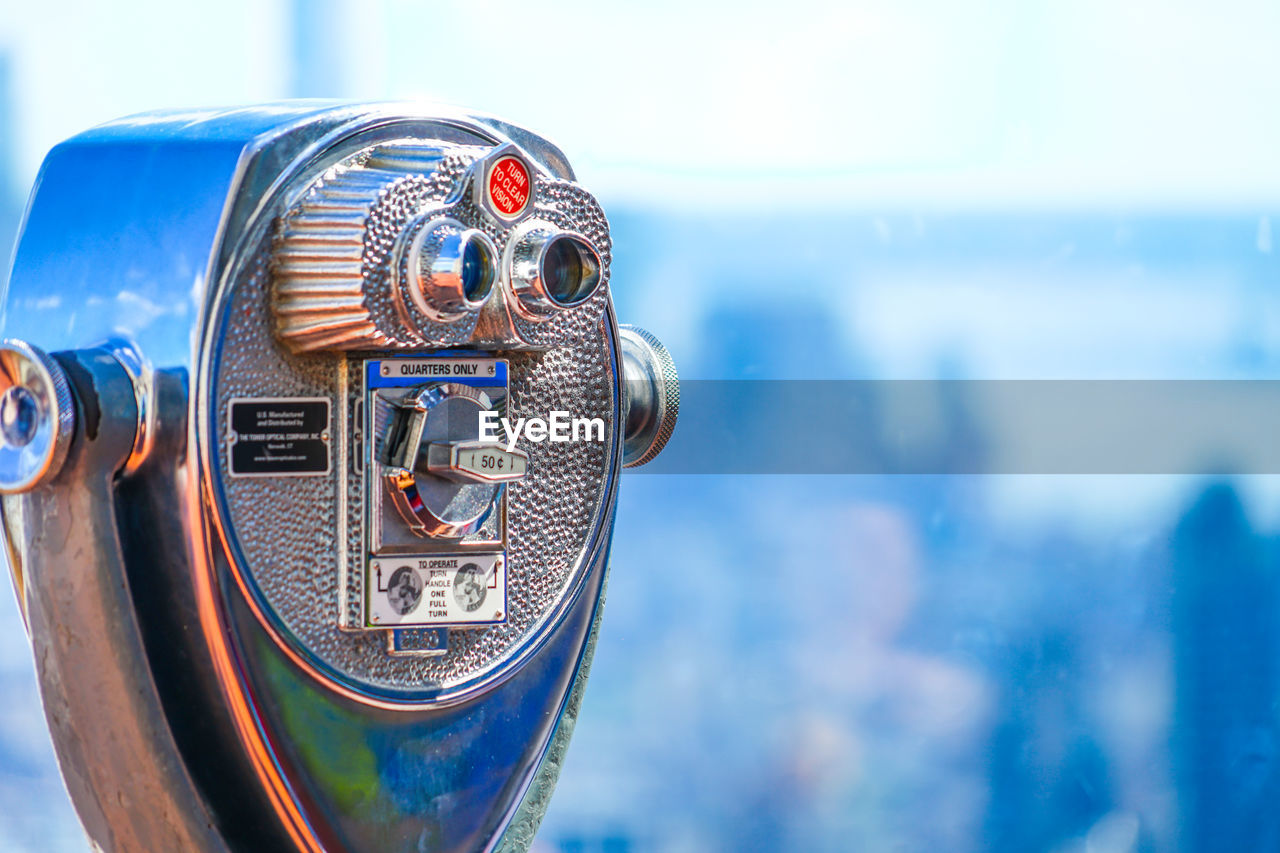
437, 589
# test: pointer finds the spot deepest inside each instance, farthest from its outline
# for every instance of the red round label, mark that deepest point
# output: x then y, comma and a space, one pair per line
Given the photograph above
509, 186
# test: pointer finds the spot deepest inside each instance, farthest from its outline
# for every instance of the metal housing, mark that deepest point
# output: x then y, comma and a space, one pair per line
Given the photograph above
200, 684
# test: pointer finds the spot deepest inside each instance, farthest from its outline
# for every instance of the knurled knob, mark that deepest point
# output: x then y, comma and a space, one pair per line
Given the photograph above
651, 396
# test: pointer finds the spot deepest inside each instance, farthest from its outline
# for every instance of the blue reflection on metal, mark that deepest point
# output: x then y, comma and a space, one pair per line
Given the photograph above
437, 781
145, 200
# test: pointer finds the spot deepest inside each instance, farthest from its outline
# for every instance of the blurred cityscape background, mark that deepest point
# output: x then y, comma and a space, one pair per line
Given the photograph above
994, 190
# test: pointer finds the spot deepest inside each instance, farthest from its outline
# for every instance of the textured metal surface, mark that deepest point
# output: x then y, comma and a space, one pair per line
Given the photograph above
388, 219
289, 529
336, 273
572, 208
331, 281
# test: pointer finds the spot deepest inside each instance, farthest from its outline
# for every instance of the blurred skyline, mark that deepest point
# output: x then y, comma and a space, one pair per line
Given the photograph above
988, 103
10, 193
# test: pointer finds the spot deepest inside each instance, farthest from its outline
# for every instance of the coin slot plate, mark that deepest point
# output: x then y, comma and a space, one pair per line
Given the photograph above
413, 581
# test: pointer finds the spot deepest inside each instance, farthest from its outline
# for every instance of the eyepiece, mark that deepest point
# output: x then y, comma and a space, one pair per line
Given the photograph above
477, 267
447, 270
551, 270
571, 270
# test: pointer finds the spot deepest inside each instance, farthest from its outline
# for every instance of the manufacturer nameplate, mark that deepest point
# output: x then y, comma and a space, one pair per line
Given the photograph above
278, 437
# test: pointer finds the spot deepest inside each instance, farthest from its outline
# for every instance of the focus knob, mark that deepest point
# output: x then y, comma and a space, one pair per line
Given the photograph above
652, 396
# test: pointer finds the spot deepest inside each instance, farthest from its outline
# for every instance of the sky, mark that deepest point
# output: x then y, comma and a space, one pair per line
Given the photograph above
990, 102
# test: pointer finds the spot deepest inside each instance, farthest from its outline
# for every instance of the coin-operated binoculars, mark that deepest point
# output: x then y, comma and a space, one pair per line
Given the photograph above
311, 426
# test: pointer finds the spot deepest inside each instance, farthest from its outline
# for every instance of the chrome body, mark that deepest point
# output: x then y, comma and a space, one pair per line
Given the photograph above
190, 708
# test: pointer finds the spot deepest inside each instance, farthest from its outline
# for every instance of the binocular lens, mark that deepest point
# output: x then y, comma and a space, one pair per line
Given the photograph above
477, 270
570, 270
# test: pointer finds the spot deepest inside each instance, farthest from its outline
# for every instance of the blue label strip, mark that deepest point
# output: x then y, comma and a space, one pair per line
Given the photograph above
375, 379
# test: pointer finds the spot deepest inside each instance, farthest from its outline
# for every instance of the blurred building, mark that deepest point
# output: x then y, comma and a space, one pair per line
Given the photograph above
318, 46
10, 204
1226, 739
